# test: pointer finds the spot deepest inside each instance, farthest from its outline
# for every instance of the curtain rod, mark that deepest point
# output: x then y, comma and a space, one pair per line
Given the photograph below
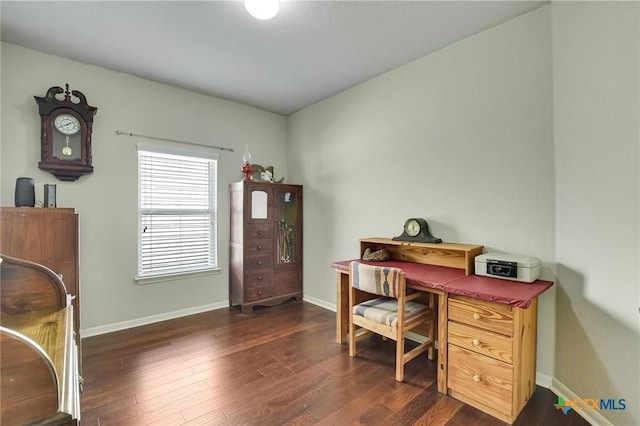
120, 132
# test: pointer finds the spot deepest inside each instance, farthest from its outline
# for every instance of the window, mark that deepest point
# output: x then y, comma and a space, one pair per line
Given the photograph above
177, 212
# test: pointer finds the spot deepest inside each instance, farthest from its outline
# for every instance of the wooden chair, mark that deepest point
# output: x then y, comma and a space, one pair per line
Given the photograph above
392, 315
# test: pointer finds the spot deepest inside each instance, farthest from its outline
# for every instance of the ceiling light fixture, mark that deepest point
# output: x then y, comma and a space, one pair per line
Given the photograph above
262, 9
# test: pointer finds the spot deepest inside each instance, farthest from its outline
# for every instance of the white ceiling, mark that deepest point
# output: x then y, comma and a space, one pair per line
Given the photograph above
310, 51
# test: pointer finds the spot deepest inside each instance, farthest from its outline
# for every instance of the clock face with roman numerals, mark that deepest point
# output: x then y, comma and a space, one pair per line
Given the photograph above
67, 124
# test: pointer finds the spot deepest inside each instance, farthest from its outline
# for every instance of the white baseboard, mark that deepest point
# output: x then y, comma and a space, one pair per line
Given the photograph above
95, 331
320, 302
543, 380
109, 328
592, 416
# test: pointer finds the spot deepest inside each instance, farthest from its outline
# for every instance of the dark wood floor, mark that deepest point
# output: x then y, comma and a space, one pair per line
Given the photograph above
280, 365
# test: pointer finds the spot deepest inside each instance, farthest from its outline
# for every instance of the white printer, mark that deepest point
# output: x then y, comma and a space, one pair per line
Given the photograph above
508, 266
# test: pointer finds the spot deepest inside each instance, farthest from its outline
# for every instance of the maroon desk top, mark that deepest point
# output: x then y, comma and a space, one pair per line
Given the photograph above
455, 281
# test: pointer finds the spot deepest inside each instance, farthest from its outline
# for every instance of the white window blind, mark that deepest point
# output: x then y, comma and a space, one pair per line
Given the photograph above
177, 213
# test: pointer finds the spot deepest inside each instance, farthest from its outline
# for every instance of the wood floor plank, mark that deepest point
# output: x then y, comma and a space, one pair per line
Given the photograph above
440, 413
276, 366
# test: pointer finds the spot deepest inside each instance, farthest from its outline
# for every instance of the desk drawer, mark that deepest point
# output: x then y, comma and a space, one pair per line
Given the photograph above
481, 378
481, 341
482, 314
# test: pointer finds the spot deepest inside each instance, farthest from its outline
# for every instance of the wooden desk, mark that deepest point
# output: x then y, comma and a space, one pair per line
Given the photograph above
489, 325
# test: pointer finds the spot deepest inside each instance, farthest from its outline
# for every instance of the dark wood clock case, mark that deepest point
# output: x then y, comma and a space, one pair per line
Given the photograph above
50, 107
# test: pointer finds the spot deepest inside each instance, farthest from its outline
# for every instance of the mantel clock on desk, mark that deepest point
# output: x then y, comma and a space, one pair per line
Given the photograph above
416, 230
487, 327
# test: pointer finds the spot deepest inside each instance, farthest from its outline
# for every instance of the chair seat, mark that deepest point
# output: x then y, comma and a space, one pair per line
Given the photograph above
384, 310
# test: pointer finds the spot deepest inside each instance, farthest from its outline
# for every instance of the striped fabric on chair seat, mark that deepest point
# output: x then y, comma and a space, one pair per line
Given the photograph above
385, 310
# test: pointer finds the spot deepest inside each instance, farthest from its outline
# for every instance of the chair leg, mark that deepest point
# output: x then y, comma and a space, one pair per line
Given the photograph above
432, 327
352, 337
432, 336
400, 357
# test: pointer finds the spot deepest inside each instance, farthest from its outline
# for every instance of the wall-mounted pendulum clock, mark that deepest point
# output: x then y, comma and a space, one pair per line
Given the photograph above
65, 133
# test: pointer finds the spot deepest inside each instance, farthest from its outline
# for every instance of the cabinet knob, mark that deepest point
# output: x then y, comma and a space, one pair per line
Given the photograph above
259, 292
259, 277
476, 378
259, 247
259, 262
476, 316
259, 232
475, 342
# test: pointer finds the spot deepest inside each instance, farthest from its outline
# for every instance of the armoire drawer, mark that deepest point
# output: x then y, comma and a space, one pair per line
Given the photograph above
481, 378
258, 278
259, 292
258, 262
494, 345
482, 314
256, 232
258, 248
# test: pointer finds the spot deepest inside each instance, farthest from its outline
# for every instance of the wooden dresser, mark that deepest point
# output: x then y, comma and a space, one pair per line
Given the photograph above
39, 377
265, 256
48, 236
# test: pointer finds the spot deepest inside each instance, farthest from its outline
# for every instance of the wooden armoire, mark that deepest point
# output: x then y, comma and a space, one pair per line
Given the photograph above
48, 236
265, 257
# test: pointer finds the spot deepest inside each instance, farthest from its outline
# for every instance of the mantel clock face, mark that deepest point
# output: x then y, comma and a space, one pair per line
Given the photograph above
65, 137
412, 227
417, 230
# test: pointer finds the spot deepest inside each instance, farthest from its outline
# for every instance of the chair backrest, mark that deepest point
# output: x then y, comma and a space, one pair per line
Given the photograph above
383, 281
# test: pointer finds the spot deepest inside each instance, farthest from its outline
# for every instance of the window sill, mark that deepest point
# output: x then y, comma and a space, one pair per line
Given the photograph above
176, 276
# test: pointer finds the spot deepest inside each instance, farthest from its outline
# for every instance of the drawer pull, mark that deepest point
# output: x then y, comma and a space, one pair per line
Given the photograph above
475, 342
259, 247
259, 262
259, 232
259, 277
259, 292
476, 378
476, 316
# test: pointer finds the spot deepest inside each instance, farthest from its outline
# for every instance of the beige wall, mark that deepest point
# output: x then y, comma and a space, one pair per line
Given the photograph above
106, 201
596, 71
462, 137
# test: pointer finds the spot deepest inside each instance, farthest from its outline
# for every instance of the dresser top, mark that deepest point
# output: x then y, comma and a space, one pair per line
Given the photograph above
30, 210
